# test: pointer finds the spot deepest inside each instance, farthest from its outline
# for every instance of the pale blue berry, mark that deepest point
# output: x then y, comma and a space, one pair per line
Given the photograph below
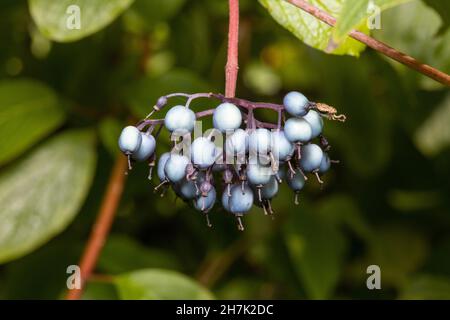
227, 117
297, 130
175, 168
161, 164
240, 201
203, 152
180, 119
296, 104
130, 140
311, 157
146, 149
315, 121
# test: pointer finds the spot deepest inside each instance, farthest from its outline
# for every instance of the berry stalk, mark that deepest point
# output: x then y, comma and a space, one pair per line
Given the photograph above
232, 66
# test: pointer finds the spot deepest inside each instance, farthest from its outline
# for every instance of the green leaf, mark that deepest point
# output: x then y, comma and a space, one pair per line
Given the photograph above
158, 284
427, 287
317, 249
29, 110
443, 8
41, 194
54, 21
414, 28
433, 136
356, 12
309, 29
138, 256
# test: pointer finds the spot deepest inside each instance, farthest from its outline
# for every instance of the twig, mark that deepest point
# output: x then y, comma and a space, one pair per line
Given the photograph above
102, 225
379, 46
232, 66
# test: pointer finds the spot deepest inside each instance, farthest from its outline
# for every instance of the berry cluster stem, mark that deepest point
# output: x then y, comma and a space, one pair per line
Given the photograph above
232, 66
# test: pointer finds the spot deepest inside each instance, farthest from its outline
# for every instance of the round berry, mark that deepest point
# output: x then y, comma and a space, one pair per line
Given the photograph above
175, 168
259, 141
240, 201
237, 143
161, 164
180, 119
311, 157
205, 203
258, 174
325, 164
186, 189
130, 140
297, 182
227, 117
269, 190
297, 130
203, 152
315, 121
282, 148
296, 104
146, 149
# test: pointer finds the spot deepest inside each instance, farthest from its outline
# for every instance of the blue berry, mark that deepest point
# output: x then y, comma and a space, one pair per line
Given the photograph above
227, 117
297, 130
311, 157
296, 104
175, 168
296, 182
240, 201
186, 189
130, 140
269, 190
161, 164
258, 174
146, 149
237, 143
325, 164
315, 121
180, 119
203, 152
282, 148
259, 141
205, 203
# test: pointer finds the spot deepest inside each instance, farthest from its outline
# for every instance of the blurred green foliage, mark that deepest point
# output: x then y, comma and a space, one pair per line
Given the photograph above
62, 106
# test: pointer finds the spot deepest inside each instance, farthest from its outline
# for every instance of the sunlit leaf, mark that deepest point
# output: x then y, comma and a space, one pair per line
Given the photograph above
309, 29
58, 20
357, 12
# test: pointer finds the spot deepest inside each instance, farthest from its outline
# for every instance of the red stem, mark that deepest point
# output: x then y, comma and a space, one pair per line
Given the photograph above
231, 68
102, 225
379, 46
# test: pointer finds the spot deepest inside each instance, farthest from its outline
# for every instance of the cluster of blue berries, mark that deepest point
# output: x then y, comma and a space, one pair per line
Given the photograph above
255, 158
